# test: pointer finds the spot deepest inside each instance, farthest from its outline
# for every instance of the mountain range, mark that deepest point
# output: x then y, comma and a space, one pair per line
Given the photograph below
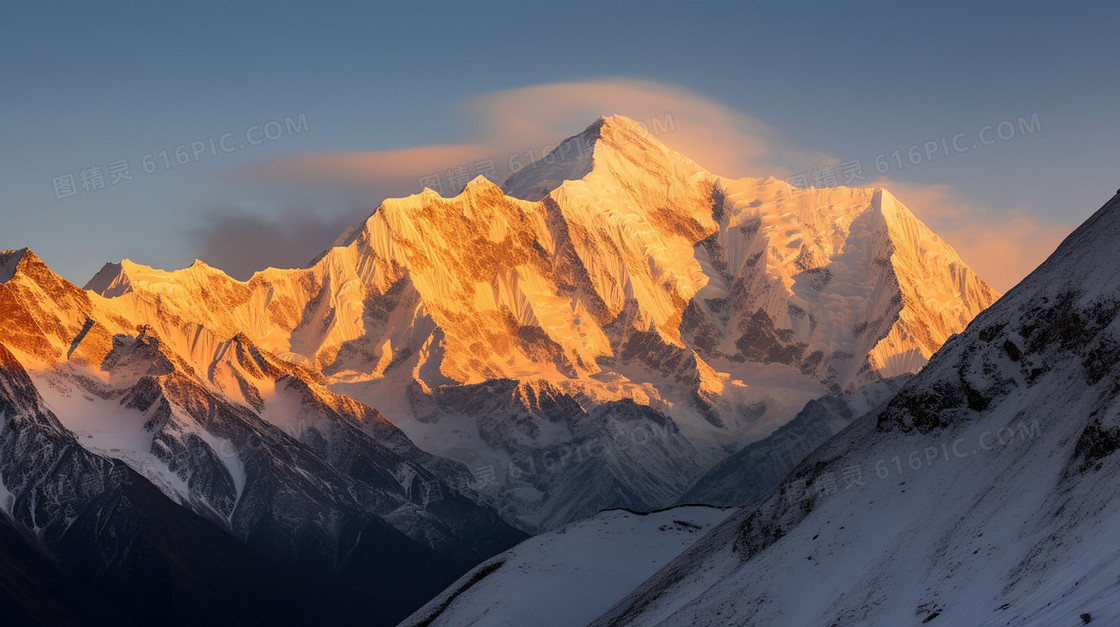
612, 327
599, 331
977, 492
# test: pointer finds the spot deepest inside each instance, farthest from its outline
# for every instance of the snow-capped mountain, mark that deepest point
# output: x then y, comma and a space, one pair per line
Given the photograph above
613, 278
613, 270
255, 447
982, 493
571, 575
112, 548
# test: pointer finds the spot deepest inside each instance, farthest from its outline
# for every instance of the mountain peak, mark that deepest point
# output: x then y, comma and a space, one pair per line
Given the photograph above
618, 133
896, 214
115, 279
110, 281
9, 260
481, 185
607, 125
619, 127
616, 146
613, 266
570, 160
19, 261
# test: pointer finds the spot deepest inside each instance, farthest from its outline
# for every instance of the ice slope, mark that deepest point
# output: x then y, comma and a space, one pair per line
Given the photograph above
983, 493
571, 575
612, 270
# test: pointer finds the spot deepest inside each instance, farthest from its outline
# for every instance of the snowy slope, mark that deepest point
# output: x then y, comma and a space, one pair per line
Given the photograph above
983, 493
612, 270
759, 466
571, 575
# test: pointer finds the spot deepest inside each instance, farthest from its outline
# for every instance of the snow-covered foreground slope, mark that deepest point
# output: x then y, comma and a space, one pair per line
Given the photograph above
612, 271
983, 493
571, 575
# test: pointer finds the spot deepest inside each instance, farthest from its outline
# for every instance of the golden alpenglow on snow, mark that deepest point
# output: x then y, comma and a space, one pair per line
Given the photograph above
613, 291
567, 314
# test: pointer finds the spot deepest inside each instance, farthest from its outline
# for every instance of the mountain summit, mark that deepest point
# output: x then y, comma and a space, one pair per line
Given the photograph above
614, 147
613, 275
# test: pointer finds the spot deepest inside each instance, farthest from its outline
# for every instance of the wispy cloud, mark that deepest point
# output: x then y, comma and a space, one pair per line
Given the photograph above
514, 122
509, 128
512, 126
726, 141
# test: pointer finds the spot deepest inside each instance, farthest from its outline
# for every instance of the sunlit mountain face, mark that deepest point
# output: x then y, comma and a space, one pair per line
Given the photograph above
980, 493
599, 330
609, 328
565, 314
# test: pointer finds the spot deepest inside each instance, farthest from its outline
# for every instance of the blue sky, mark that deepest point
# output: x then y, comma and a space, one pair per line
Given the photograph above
84, 85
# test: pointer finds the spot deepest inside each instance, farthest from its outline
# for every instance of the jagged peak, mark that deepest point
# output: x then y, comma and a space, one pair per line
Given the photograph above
24, 262
110, 281
479, 185
617, 126
619, 129
616, 120
914, 239
479, 188
888, 203
10, 261
197, 266
116, 279
15, 252
902, 223
577, 156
